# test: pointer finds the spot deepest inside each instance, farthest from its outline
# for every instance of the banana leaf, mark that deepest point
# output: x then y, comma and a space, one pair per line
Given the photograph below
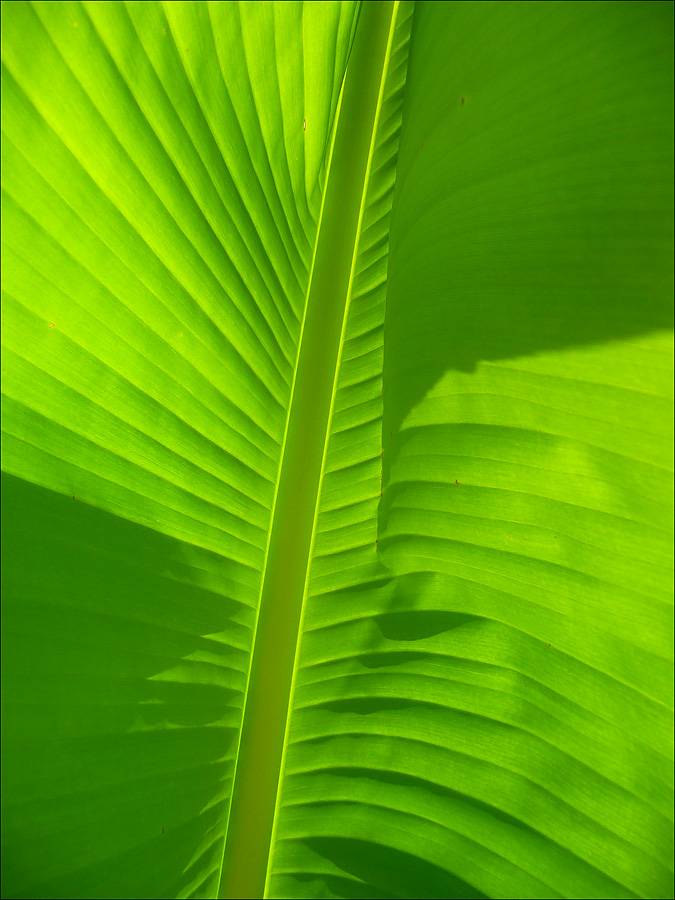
337, 449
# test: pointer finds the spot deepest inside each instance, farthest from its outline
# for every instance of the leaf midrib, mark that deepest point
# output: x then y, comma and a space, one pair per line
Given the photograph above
259, 756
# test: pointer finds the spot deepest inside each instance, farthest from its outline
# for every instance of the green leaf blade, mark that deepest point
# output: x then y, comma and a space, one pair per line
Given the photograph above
487, 708
156, 250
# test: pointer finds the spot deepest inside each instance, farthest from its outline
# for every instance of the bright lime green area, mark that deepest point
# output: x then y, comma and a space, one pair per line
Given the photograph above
477, 669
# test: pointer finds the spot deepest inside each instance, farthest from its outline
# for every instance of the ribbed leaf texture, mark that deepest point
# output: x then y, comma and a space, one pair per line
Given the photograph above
481, 703
160, 208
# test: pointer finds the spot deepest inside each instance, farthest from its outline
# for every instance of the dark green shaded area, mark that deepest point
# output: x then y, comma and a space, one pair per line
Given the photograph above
96, 750
534, 194
327, 886
395, 873
419, 624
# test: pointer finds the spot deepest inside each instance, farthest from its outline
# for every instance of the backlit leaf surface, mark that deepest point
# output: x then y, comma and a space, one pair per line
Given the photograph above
481, 700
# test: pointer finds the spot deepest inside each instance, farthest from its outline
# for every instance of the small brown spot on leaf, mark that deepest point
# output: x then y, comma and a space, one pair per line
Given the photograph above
456, 482
462, 101
51, 324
